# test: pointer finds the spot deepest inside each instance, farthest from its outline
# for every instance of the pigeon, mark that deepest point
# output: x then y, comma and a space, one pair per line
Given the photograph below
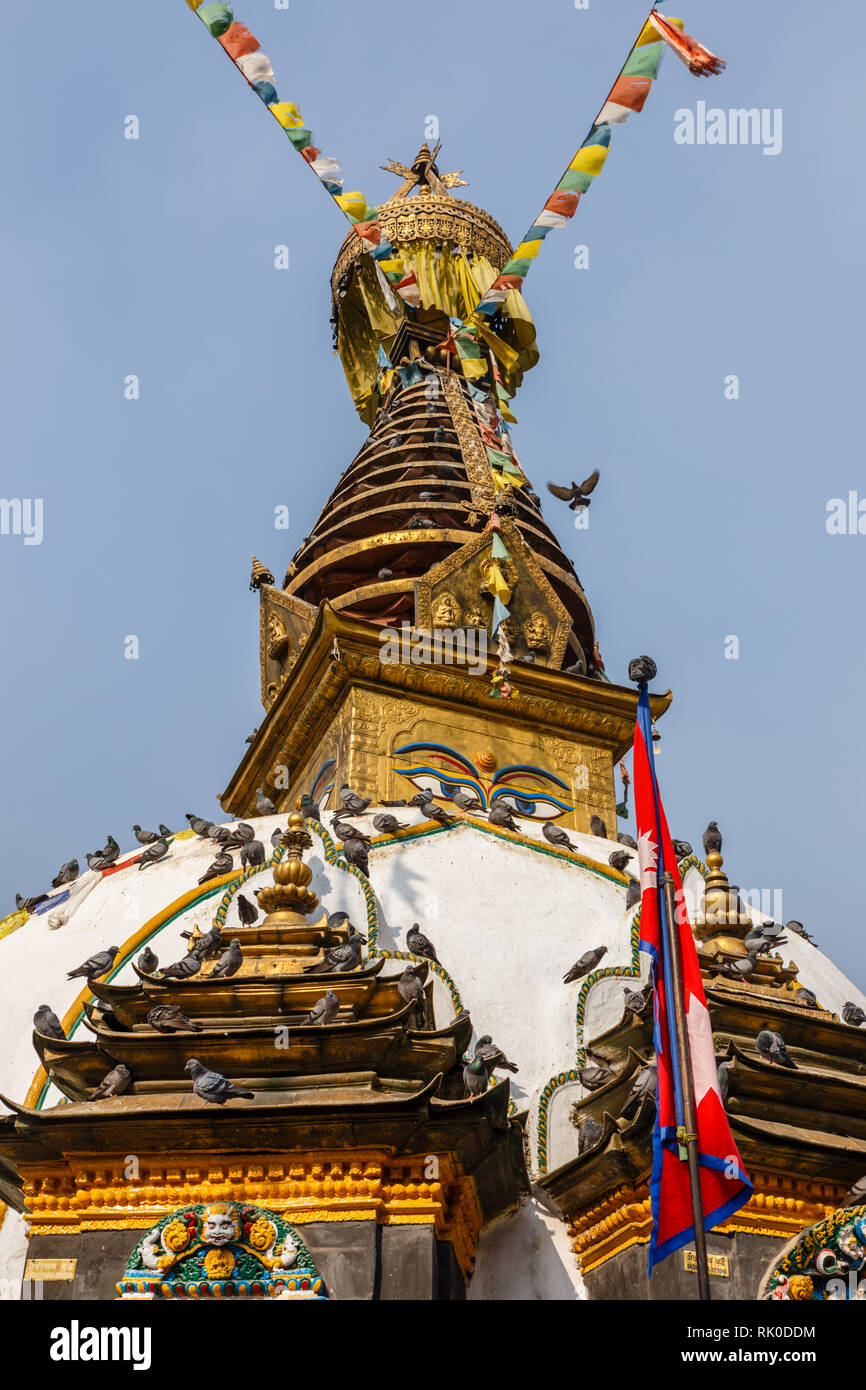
627, 840
211, 1086
95, 966
147, 962
183, 969
165, 832
353, 804
28, 904
229, 962
421, 798
250, 738
324, 1010
439, 433
264, 805
577, 495
169, 1018
741, 968
411, 990
309, 808
595, 1075
712, 839
635, 999
475, 1077
418, 522
419, 944
46, 1022
221, 835
430, 496
241, 834
439, 814
144, 837
201, 827
208, 946
588, 961
723, 1075
556, 836
465, 801
114, 1083
67, 874
276, 838
853, 1014
645, 1084
799, 929
105, 857
856, 1196
396, 440
589, 1132
252, 854
682, 849
633, 893
641, 670
221, 865
387, 825
152, 855
355, 853
806, 997
247, 911
499, 814
598, 827
338, 960
385, 574
492, 1056
619, 859
772, 1046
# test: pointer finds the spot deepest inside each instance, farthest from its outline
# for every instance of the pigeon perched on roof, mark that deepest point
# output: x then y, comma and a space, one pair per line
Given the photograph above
201, 827
627, 840
240, 835
588, 961
351, 803
619, 859
500, 815
229, 962
221, 865
144, 837
476, 1077
385, 574
28, 904
337, 921
309, 808
247, 911
211, 1086
589, 1132
339, 960
96, 965
724, 1079
67, 874
645, 1084
598, 827
148, 961
396, 440
46, 1022
152, 855
856, 1196
439, 814
595, 1074
324, 1010
555, 835
799, 930
741, 968
419, 944
633, 893
208, 946
387, 825
114, 1083
682, 849
806, 997
421, 797
170, 1018
465, 800
183, 969
355, 853
712, 839
439, 434
105, 857
853, 1015
252, 854
221, 835
264, 805
276, 838
165, 832
577, 495
634, 999
772, 1046
492, 1056
411, 991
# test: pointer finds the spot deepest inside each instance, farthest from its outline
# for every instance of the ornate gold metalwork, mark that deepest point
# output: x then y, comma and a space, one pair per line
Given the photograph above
291, 900
472, 445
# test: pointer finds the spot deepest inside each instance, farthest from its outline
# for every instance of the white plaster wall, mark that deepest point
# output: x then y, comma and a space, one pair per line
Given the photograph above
526, 1257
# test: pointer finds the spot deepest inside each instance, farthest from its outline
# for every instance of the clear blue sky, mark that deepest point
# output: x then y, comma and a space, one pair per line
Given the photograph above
155, 257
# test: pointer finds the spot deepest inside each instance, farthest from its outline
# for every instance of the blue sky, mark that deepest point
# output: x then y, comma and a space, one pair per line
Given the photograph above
155, 257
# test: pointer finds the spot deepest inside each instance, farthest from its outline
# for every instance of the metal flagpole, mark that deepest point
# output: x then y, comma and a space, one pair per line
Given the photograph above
688, 1138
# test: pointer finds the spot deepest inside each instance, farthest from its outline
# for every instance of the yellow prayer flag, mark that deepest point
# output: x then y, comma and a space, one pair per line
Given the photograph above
527, 250
288, 116
650, 34
355, 204
590, 160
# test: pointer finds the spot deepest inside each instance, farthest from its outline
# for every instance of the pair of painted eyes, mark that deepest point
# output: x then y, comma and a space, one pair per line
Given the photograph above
533, 805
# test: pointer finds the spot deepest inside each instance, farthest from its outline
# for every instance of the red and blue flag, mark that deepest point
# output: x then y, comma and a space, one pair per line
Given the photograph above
725, 1187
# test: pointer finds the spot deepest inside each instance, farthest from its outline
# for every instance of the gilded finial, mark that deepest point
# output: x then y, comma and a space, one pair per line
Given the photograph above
260, 574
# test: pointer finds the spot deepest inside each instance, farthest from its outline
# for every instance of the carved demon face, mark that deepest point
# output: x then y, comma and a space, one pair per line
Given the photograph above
219, 1227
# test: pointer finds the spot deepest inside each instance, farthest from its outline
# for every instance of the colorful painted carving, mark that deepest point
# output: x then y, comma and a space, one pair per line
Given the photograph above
826, 1263
525, 789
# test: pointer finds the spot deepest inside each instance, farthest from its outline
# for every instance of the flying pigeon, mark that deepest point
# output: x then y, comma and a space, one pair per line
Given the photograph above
339, 960
211, 1086
183, 969
114, 1083
252, 854
589, 1132
147, 961
46, 1022
411, 990
309, 808
221, 865
169, 1018
247, 911
144, 837
264, 805
419, 944
645, 1084
619, 860
598, 827
577, 495
324, 1010
772, 1046
387, 825
229, 962
588, 961
353, 804
152, 855
682, 849
67, 874
475, 1077
355, 853
493, 1056
853, 1014
641, 670
626, 840
95, 966
466, 801
556, 836
712, 839
499, 814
